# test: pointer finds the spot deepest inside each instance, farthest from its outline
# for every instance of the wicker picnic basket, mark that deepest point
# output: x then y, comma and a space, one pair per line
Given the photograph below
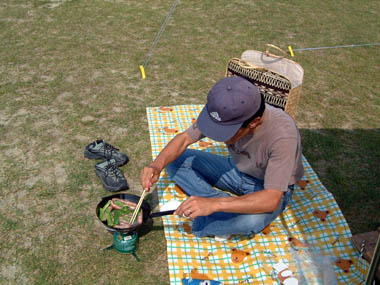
278, 78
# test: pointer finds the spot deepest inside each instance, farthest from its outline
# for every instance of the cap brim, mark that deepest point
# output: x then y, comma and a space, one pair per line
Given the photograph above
212, 130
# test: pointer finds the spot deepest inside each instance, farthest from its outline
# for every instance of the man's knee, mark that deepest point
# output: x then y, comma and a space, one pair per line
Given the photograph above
252, 224
184, 161
171, 169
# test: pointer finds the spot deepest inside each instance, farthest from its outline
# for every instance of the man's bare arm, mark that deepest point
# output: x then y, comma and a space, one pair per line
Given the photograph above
151, 173
254, 203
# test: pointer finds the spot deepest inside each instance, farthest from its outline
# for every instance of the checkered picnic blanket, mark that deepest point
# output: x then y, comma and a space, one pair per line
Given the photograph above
312, 226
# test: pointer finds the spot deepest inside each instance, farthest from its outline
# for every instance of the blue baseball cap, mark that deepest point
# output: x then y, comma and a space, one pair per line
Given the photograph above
230, 102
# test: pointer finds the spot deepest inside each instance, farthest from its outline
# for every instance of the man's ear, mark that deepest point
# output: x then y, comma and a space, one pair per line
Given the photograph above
254, 123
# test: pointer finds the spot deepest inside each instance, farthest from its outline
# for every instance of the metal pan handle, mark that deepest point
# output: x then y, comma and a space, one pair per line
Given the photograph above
160, 214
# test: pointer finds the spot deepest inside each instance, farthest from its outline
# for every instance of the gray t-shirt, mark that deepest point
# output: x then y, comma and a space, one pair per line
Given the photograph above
273, 153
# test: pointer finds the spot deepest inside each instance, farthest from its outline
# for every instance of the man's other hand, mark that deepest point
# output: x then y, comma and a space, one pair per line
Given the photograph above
196, 206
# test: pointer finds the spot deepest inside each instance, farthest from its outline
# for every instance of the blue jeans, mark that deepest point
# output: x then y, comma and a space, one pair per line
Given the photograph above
196, 172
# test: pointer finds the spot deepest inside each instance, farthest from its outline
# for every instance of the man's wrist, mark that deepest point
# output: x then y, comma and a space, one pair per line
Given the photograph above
222, 204
217, 205
158, 169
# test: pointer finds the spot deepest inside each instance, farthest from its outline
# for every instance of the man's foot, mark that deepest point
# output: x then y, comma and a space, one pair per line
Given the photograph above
111, 176
99, 149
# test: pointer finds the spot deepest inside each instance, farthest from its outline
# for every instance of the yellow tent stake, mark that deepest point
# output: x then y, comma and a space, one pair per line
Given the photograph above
291, 51
142, 72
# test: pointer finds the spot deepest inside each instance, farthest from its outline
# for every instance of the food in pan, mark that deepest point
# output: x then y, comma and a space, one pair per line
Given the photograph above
117, 213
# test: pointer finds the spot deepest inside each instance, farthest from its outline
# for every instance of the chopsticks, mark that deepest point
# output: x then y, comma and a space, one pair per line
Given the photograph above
137, 209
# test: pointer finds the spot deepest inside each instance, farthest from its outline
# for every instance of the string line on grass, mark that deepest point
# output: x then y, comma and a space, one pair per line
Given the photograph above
291, 50
158, 36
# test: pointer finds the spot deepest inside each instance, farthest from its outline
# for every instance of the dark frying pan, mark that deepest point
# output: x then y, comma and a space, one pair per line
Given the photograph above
145, 208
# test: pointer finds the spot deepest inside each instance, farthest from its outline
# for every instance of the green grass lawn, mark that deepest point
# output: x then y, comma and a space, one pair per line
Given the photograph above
69, 74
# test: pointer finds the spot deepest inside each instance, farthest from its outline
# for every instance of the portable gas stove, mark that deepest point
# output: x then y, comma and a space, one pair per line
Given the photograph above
124, 243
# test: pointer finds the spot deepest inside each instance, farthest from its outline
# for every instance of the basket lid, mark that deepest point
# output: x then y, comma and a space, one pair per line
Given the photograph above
283, 66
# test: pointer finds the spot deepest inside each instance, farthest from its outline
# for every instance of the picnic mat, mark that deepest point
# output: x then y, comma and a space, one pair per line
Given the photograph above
310, 237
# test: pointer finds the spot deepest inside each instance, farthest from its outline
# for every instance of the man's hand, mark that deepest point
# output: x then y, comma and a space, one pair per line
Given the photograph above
149, 175
197, 206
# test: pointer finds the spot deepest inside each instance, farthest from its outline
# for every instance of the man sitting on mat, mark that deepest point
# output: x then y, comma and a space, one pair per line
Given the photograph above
264, 163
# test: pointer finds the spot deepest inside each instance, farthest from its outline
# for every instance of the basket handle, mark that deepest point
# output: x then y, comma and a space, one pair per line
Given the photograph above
276, 48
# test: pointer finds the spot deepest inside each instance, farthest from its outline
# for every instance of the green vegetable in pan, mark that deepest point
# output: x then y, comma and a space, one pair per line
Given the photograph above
110, 220
107, 205
101, 214
126, 210
120, 204
102, 210
117, 214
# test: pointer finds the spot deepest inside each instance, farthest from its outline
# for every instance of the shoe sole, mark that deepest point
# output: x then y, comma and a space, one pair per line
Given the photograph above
110, 188
91, 155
